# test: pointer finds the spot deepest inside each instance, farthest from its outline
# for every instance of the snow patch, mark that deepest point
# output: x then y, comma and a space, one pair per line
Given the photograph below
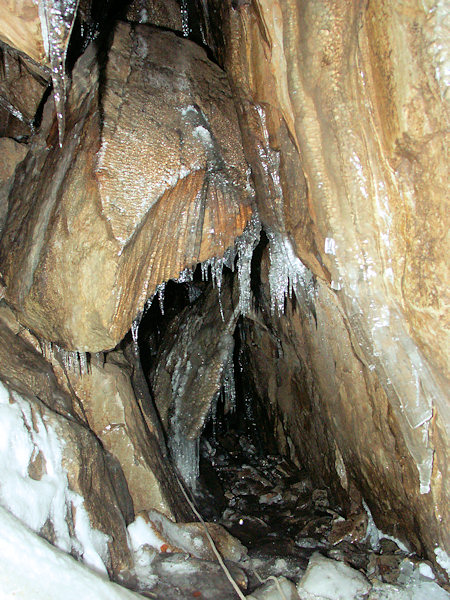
443, 559
327, 579
32, 568
26, 440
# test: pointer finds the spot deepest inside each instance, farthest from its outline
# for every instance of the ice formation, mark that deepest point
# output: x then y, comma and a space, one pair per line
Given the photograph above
374, 535
443, 559
185, 18
57, 19
25, 436
332, 580
439, 35
287, 273
72, 361
229, 387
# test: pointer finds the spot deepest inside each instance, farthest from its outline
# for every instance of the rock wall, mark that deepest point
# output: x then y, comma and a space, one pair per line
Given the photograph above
343, 108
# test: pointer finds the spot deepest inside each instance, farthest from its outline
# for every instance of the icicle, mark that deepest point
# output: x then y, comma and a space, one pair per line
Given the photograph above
47, 350
185, 276
229, 388
205, 270
246, 244
83, 363
69, 359
185, 455
193, 292
216, 265
57, 19
135, 329
160, 289
287, 273
185, 18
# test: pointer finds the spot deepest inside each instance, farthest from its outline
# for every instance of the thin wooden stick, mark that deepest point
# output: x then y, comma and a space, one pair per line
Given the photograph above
277, 583
213, 546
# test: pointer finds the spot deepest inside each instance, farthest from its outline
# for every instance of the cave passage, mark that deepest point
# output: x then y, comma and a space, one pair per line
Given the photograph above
247, 475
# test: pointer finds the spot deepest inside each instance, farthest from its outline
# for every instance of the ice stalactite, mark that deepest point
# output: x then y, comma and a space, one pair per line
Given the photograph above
160, 291
287, 273
57, 19
184, 450
72, 361
244, 246
185, 18
229, 388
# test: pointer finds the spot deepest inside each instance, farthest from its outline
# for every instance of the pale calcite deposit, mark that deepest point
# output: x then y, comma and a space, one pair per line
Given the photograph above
20, 27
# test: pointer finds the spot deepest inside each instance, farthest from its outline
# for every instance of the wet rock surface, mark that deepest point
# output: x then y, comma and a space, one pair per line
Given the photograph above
138, 192
330, 104
294, 531
56, 476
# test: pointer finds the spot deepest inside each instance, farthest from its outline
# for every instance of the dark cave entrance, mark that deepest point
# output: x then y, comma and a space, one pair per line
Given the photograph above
248, 479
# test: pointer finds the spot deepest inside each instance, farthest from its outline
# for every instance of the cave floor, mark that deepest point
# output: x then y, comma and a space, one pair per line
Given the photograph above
270, 505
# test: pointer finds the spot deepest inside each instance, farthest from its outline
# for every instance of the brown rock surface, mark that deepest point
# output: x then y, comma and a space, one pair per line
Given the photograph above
12, 154
351, 97
189, 370
114, 415
322, 396
87, 481
20, 27
164, 13
157, 184
22, 86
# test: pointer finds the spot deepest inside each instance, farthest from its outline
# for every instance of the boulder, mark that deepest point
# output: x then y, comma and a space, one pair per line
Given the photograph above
113, 413
55, 475
327, 579
150, 179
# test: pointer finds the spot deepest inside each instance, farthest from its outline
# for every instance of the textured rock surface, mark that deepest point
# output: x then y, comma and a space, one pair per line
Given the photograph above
132, 198
346, 103
20, 27
12, 153
67, 459
188, 372
321, 395
118, 413
163, 14
22, 86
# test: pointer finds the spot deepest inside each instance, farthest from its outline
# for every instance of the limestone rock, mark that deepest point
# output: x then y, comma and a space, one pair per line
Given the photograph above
344, 114
327, 579
271, 590
157, 531
157, 184
22, 86
61, 485
163, 13
55, 474
12, 154
323, 391
183, 577
188, 372
112, 412
20, 27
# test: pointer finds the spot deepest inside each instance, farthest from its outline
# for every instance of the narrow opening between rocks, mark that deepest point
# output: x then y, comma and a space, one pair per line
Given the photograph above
238, 459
